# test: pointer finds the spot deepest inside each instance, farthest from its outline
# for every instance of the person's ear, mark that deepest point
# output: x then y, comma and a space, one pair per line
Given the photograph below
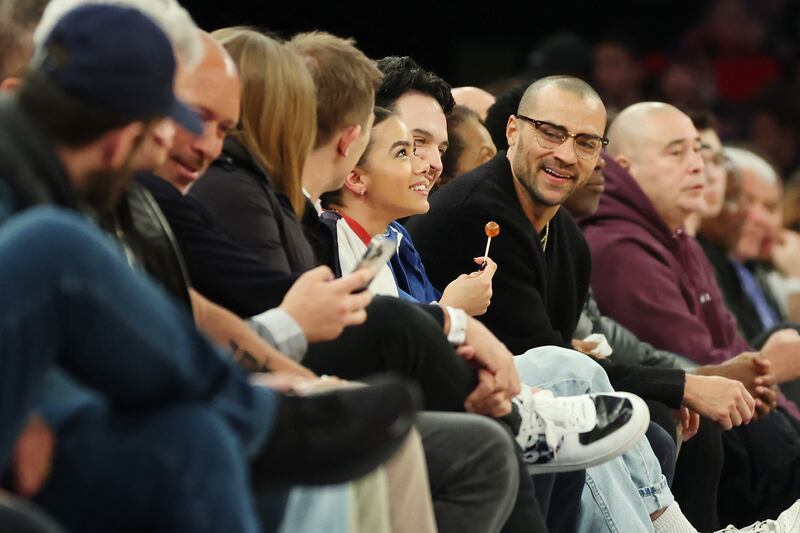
357, 182
624, 161
10, 84
347, 138
512, 130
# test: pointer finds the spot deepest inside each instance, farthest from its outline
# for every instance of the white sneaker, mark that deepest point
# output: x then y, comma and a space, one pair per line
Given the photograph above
575, 432
787, 522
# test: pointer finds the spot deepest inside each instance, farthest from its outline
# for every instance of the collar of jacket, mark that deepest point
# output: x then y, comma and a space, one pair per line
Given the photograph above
29, 163
235, 156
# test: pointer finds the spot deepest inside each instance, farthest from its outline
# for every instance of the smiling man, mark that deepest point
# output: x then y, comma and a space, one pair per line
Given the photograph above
554, 142
542, 279
212, 89
423, 101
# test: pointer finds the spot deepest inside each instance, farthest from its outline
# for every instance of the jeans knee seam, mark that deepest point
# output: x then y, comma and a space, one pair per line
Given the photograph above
601, 503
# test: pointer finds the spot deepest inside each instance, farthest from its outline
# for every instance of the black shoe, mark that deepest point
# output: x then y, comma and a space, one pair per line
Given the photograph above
336, 436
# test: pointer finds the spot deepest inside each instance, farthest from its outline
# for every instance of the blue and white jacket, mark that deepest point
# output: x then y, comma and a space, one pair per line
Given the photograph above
405, 274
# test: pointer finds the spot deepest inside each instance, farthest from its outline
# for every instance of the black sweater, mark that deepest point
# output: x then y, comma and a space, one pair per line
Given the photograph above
241, 196
537, 297
535, 301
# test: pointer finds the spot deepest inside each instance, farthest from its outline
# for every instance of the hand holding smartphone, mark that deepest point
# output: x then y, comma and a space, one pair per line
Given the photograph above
378, 253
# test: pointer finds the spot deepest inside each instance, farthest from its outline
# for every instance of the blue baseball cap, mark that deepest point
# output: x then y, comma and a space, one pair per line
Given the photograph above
117, 59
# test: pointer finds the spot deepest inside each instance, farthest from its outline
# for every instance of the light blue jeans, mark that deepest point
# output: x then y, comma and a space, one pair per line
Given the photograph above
620, 495
313, 509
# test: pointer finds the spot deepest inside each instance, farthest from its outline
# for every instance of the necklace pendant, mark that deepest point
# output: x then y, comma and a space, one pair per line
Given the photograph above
543, 239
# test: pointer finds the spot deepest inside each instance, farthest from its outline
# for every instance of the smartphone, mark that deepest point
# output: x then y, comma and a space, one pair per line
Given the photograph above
379, 252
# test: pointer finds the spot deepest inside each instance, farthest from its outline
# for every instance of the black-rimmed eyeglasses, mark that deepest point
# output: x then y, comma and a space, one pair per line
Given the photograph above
550, 136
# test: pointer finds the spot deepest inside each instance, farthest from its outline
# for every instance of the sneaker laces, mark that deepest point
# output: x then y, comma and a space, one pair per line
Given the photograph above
762, 526
544, 414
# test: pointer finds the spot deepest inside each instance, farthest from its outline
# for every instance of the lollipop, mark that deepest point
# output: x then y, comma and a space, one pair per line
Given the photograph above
492, 229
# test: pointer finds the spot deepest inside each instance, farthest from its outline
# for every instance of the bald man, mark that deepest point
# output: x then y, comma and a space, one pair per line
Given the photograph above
474, 98
543, 273
539, 288
542, 280
212, 88
649, 275
656, 181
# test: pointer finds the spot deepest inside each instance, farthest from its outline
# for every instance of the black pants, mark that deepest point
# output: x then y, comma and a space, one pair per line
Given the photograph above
560, 496
554, 499
474, 475
664, 448
697, 476
791, 389
761, 474
400, 338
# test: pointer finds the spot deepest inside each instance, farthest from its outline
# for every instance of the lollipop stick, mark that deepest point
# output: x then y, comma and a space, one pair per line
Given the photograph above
485, 254
492, 230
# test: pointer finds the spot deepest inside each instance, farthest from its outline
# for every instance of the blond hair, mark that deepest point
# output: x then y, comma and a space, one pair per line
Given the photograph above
278, 123
346, 81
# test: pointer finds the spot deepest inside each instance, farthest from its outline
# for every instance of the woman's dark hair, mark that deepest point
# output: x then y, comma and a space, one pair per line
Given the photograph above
64, 119
329, 199
459, 116
403, 74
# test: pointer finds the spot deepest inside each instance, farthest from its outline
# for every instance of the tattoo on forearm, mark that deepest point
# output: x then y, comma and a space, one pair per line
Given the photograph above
247, 360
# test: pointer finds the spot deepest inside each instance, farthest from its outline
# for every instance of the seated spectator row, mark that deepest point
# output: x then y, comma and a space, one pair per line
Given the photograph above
247, 287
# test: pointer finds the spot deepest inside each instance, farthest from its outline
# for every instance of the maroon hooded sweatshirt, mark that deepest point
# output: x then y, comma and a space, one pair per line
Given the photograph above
654, 281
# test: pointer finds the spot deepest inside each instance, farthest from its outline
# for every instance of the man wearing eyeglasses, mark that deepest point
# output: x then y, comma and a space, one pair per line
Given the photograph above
542, 279
543, 273
543, 260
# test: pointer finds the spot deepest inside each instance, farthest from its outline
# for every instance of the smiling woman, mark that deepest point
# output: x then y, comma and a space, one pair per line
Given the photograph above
388, 183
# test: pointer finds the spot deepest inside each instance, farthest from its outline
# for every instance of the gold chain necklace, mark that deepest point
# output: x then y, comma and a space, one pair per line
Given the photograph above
543, 240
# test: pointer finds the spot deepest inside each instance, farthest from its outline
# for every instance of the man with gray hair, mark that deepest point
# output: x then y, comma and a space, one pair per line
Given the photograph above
749, 240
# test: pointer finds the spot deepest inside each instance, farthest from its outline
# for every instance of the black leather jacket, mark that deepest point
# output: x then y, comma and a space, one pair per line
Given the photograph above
138, 223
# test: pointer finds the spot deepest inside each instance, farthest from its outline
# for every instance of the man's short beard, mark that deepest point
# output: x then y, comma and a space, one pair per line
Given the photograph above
536, 196
526, 177
104, 188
